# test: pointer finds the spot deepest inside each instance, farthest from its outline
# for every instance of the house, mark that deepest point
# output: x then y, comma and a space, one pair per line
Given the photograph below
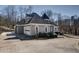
34, 24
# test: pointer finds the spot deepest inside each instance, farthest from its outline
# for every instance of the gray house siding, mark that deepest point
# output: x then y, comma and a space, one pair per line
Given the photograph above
27, 29
19, 29
33, 30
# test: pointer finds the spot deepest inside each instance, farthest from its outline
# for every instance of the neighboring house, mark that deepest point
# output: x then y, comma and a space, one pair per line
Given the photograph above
34, 24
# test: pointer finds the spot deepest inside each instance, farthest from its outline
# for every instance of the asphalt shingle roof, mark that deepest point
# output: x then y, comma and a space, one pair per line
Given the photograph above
35, 18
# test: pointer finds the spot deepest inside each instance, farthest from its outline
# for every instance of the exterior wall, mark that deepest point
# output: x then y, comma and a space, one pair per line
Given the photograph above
56, 29
19, 29
52, 28
33, 29
41, 28
15, 27
27, 30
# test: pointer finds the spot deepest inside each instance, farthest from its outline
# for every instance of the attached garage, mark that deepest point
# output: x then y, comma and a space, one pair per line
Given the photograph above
19, 29
27, 30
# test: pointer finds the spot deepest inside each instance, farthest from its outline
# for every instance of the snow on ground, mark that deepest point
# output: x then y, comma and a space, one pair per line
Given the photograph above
6, 35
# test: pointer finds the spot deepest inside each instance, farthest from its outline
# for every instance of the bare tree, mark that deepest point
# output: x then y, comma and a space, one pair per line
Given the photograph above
29, 9
49, 13
11, 14
21, 11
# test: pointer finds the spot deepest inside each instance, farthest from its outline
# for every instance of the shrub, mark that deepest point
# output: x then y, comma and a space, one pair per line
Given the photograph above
59, 33
52, 35
42, 35
47, 35
34, 36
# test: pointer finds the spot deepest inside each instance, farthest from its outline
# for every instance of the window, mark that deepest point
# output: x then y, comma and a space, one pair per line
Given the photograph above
51, 28
36, 29
27, 30
46, 29
55, 28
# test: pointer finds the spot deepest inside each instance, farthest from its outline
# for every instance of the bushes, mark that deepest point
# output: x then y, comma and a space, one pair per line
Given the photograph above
43, 35
52, 35
47, 35
59, 33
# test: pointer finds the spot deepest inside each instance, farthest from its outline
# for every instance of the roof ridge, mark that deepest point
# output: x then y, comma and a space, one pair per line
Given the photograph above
30, 20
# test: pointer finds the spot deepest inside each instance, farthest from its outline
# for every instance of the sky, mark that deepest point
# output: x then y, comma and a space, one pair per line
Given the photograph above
63, 9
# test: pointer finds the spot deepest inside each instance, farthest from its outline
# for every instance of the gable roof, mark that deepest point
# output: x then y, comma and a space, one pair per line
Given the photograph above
44, 16
35, 18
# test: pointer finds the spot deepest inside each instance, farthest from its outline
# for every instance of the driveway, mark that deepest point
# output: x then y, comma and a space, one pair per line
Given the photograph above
61, 44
